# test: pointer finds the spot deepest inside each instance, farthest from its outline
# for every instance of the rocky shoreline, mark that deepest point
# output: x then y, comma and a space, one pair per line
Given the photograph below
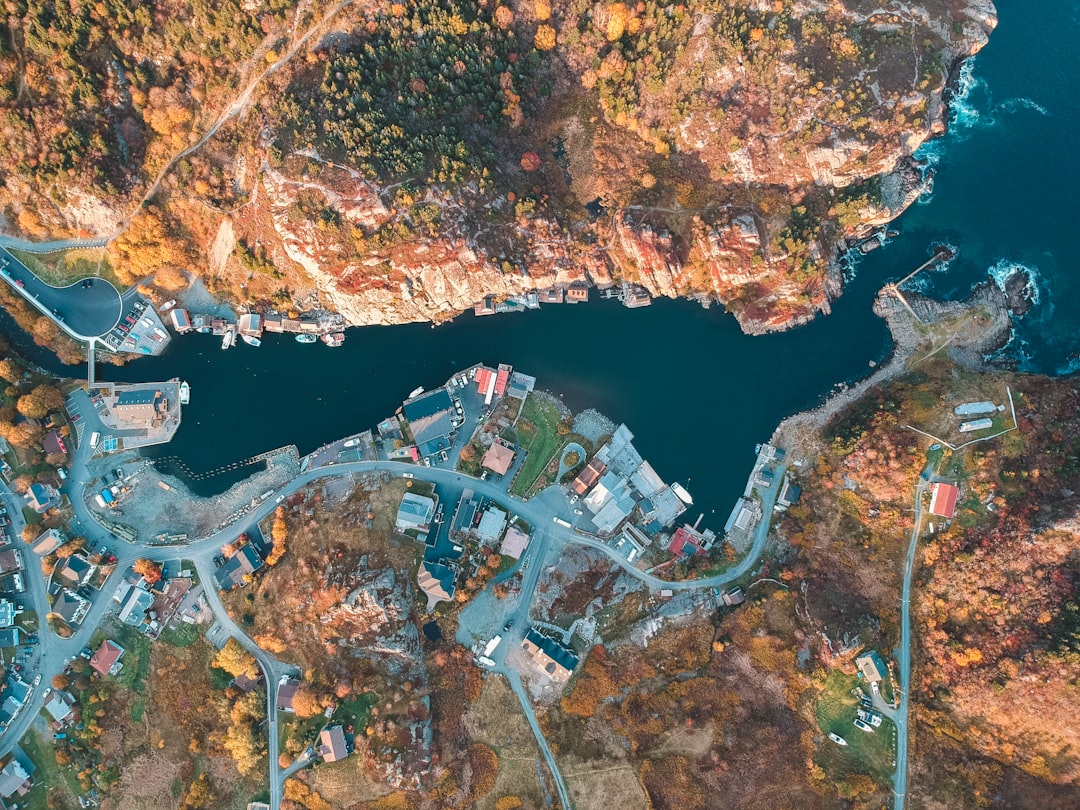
990, 315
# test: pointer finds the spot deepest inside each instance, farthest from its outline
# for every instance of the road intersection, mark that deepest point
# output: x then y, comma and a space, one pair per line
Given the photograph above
550, 514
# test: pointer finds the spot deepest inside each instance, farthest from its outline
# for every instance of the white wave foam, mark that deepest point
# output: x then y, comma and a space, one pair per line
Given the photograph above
1071, 366
963, 114
1017, 104
1006, 269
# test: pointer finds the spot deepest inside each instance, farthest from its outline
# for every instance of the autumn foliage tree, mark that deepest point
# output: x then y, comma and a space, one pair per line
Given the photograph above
148, 569
41, 400
279, 533
237, 661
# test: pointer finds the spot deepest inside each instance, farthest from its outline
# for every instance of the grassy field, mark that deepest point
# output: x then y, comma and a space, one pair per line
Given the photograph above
538, 431
867, 753
48, 778
66, 267
496, 720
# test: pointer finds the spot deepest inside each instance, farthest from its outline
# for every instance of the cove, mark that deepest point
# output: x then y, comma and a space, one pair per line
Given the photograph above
697, 393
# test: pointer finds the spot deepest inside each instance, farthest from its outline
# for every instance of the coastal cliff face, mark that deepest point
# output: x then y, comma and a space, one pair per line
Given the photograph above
405, 161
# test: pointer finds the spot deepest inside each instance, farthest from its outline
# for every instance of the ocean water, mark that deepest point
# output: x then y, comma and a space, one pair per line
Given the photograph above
1006, 183
697, 392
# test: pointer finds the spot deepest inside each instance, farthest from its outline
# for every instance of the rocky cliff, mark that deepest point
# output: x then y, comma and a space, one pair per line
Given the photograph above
404, 163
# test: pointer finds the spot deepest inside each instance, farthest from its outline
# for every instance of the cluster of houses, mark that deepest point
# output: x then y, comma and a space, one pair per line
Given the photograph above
333, 745
474, 519
573, 293
251, 325
617, 484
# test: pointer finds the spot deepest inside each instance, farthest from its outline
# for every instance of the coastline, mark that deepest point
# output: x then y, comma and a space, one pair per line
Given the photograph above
985, 314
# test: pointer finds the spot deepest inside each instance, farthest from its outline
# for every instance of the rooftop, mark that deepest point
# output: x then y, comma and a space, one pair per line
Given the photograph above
498, 458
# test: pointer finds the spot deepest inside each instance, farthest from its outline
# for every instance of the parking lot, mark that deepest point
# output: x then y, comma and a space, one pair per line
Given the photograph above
139, 329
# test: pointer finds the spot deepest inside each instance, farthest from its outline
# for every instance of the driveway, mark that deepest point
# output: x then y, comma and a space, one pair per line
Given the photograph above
83, 312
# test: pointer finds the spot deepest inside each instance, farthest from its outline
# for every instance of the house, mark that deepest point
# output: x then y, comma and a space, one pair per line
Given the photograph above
7, 613
431, 419
286, 691
9, 637
180, 320
686, 541
415, 512
588, 477
139, 407
578, 291
485, 384
552, 295
435, 579
733, 597
520, 385
74, 571
71, 607
10, 561
485, 307
246, 684
789, 495
53, 443
549, 656
134, 601
49, 542
14, 780
502, 379
332, 745
498, 458
871, 666
106, 658
12, 584
59, 706
943, 499
41, 498
492, 523
237, 570
514, 543
250, 324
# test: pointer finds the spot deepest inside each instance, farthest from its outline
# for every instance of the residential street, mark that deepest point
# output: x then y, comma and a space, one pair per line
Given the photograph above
549, 538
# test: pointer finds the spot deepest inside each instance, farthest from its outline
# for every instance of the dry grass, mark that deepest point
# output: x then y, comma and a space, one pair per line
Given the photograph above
497, 720
345, 783
605, 787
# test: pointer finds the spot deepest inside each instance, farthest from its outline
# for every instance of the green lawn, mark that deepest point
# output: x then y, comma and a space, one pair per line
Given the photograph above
182, 635
64, 267
539, 437
866, 753
356, 710
48, 775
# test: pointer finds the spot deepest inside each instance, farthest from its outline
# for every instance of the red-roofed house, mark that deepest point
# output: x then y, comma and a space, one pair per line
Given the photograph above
943, 500
684, 542
106, 659
498, 458
502, 379
485, 384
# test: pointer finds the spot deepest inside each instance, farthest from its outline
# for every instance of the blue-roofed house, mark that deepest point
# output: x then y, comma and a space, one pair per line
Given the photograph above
41, 498
431, 420
551, 657
415, 512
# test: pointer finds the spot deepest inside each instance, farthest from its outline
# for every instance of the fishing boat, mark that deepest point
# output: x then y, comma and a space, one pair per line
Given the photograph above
416, 392
684, 496
251, 340
185, 393
229, 339
334, 339
306, 339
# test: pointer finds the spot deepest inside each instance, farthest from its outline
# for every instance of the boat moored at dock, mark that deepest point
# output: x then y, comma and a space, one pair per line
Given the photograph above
251, 340
306, 339
185, 393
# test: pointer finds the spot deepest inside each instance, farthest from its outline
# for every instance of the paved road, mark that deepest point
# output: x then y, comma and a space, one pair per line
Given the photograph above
903, 658
549, 538
83, 313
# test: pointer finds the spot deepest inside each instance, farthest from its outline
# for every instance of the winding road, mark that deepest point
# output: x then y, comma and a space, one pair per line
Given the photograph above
549, 538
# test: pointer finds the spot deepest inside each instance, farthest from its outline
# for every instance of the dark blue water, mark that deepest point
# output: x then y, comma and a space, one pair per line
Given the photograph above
697, 392
1008, 176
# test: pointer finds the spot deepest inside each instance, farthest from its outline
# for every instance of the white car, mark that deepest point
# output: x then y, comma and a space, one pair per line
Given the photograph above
280, 498
406, 475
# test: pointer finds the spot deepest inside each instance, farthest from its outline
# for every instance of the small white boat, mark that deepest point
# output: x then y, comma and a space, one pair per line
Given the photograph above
836, 738
352, 443
251, 340
167, 305
185, 393
416, 392
229, 339
684, 496
334, 339
306, 339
